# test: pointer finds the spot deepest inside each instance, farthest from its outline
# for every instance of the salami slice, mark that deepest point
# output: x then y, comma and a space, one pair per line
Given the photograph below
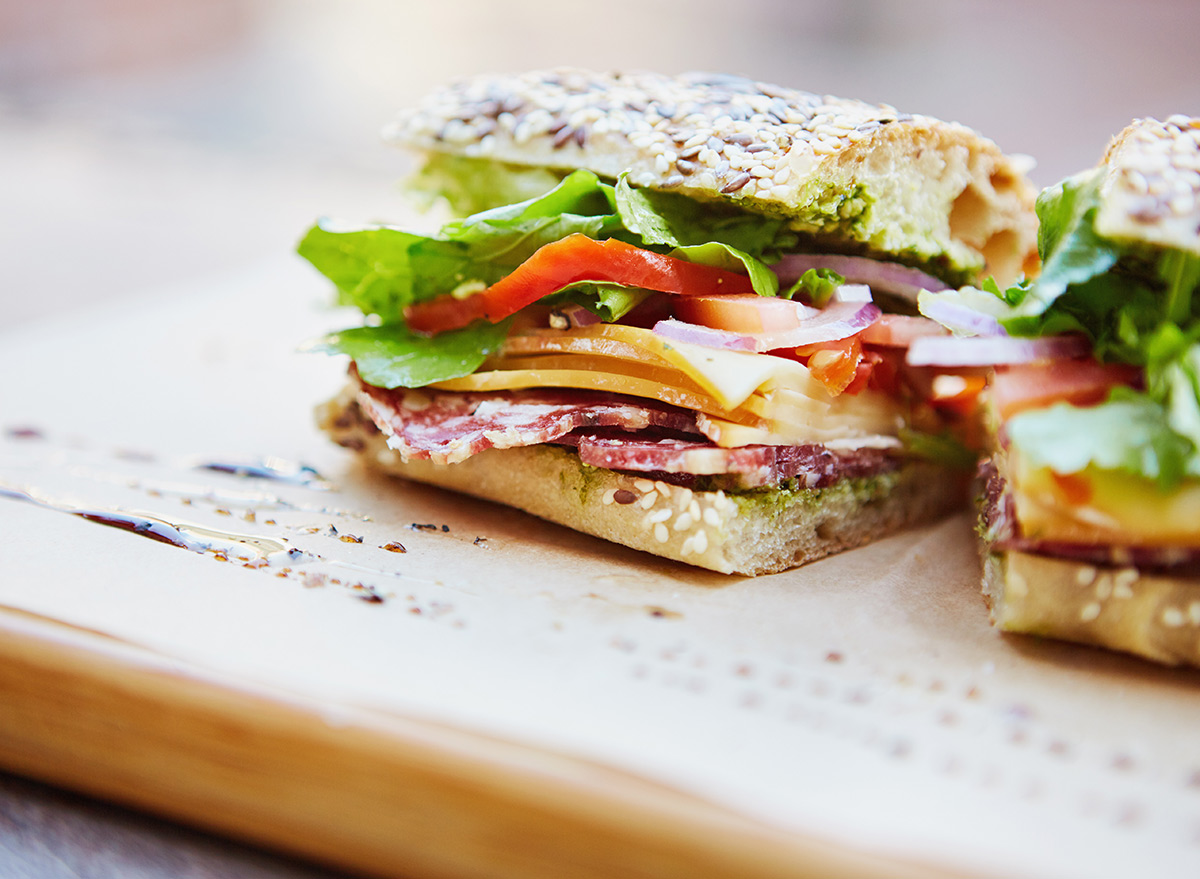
448, 427
815, 465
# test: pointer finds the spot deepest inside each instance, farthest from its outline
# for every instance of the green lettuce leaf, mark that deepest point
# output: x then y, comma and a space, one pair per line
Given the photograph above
609, 302
1129, 432
942, 448
382, 270
1072, 252
764, 281
676, 220
472, 185
392, 356
509, 235
815, 286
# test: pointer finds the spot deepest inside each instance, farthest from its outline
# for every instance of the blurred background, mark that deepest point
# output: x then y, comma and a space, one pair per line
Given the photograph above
146, 141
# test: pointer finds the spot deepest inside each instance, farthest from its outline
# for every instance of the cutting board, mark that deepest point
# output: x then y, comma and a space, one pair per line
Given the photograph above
208, 611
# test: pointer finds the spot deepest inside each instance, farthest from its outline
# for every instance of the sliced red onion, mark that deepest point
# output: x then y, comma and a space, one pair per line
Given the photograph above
696, 334
836, 321
991, 350
962, 318
887, 277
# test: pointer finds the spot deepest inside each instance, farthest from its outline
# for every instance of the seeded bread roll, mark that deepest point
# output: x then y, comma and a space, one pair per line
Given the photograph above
748, 533
1151, 192
1151, 615
856, 176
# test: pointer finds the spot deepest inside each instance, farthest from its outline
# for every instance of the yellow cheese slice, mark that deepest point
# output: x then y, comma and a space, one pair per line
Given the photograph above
728, 376
516, 379
743, 398
1102, 506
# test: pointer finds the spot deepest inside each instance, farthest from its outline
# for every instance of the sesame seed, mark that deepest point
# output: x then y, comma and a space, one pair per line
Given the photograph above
1086, 575
648, 500
658, 516
661, 534
683, 522
700, 542
608, 496
712, 517
1194, 613
1172, 618
643, 485
1124, 579
1090, 611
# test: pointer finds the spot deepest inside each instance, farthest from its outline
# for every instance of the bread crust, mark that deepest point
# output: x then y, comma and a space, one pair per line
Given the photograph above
751, 533
861, 175
1151, 190
1152, 615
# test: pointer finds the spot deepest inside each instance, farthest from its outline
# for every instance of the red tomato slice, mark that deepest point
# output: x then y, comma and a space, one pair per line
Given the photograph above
834, 364
1082, 382
571, 260
745, 313
861, 379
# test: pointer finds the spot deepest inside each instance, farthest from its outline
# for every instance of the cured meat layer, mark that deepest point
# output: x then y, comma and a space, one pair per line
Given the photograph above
448, 427
813, 465
608, 430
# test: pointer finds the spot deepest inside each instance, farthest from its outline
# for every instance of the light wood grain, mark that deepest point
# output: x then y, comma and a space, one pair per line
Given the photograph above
384, 795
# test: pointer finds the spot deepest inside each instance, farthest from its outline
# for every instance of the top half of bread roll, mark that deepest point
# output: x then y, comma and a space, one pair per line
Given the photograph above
854, 176
1151, 190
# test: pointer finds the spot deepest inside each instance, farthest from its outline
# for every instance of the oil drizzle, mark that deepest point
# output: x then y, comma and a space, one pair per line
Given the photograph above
196, 538
269, 468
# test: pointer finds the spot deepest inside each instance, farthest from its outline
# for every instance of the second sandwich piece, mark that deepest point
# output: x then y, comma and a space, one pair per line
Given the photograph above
661, 319
1092, 514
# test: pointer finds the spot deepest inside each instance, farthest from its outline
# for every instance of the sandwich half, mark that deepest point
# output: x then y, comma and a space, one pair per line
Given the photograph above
673, 311
1091, 512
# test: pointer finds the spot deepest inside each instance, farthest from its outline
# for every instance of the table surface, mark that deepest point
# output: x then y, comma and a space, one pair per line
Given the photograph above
47, 833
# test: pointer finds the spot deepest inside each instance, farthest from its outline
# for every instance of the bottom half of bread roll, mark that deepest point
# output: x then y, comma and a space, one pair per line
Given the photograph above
822, 509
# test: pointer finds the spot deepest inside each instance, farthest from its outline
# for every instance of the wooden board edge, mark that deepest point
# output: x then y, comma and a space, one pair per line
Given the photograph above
372, 793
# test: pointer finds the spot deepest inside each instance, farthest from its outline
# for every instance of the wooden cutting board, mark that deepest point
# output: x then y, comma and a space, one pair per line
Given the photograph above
207, 611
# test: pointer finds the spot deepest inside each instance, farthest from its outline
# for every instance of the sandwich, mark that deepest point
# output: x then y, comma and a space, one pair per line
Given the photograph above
1090, 515
671, 312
